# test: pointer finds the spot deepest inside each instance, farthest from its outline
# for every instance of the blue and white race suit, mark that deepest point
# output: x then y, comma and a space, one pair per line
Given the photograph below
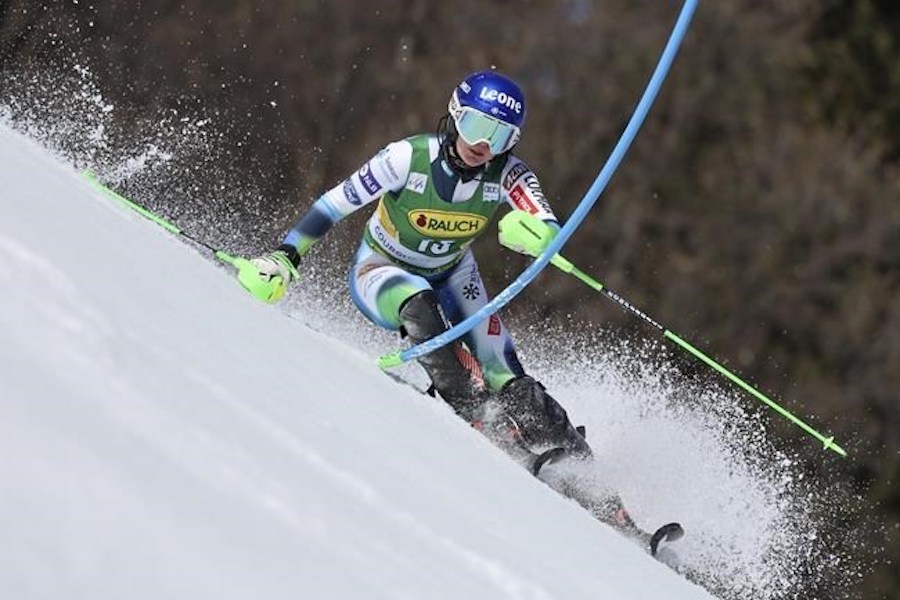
387, 271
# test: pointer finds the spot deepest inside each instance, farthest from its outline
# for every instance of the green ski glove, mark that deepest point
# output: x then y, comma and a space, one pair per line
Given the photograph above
267, 277
525, 233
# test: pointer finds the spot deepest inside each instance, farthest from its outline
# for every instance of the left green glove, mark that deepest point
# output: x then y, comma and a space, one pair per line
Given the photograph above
525, 233
267, 277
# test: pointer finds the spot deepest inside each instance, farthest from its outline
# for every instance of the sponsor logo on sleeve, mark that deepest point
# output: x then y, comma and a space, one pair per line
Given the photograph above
515, 172
384, 158
350, 193
491, 192
528, 195
522, 200
417, 182
367, 179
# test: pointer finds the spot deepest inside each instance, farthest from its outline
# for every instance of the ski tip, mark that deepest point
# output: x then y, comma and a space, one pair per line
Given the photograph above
550, 456
669, 532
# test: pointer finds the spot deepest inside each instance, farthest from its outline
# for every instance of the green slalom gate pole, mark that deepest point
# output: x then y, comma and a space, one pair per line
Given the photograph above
567, 267
245, 270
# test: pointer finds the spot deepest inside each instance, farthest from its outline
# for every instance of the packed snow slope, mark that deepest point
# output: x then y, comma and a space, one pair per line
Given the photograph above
164, 435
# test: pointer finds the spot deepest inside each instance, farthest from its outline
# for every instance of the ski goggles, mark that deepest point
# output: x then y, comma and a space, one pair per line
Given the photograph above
475, 127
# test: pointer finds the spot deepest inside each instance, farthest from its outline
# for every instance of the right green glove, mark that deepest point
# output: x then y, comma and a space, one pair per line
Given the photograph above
267, 277
525, 233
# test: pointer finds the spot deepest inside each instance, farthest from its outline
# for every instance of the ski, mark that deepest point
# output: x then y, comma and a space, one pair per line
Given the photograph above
654, 542
670, 532
504, 433
611, 511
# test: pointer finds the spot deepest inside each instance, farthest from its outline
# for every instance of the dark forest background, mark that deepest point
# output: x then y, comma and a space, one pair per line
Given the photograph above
757, 213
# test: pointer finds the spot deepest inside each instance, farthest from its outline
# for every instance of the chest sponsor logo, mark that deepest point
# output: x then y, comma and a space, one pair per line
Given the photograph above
491, 192
512, 177
367, 179
387, 244
442, 224
417, 182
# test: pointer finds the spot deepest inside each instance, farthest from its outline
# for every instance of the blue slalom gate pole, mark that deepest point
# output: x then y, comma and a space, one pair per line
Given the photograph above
574, 221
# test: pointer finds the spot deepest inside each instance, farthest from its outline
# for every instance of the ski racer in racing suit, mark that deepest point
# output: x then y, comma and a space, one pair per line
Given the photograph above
414, 270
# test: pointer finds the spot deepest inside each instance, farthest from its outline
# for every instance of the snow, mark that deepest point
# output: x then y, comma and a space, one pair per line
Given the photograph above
164, 435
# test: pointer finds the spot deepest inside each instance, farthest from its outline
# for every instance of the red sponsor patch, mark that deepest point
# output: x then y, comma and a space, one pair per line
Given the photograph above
494, 325
522, 201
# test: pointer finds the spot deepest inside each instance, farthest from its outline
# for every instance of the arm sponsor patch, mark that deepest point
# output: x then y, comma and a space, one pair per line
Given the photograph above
514, 174
350, 193
523, 201
367, 179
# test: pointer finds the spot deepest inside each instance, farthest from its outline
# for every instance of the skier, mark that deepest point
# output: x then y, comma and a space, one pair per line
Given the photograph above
414, 270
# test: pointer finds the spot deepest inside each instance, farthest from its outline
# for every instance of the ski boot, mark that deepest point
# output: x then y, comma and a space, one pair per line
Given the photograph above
544, 424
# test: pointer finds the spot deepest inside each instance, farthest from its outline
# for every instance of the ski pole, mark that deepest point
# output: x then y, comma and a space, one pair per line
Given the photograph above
516, 223
225, 257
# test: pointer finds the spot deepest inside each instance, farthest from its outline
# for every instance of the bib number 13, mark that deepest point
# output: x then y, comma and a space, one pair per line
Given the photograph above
435, 247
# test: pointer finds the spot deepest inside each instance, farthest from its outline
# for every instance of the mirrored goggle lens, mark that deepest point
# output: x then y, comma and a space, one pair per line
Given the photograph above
475, 127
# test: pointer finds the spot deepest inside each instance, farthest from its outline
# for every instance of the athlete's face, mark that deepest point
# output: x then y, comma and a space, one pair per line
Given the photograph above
474, 156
